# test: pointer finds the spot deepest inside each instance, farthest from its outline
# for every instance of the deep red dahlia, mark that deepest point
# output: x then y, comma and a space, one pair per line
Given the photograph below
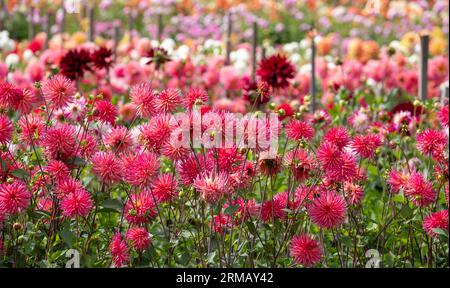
102, 58
195, 96
276, 71
75, 63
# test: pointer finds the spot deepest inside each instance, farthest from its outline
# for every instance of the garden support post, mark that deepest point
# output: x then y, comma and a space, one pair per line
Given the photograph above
423, 66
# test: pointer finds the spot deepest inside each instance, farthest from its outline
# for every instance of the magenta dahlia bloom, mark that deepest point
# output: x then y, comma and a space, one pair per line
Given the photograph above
68, 186
298, 130
164, 188
31, 127
105, 111
436, 220
8, 94
276, 71
397, 180
212, 186
76, 204
141, 169
338, 136
24, 101
58, 91
431, 141
347, 170
59, 142
119, 140
143, 97
188, 168
329, 156
139, 238
365, 145
57, 170
443, 115
6, 129
305, 250
328, 210
353, 192
119, 251
419, 191
195, 96
140, 208
14, 197
107, 167
167, 101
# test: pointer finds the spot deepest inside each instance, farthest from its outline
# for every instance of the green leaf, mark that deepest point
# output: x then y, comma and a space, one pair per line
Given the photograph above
67, 235
251, 227
20, 173
231, 210
112, 204
441, 232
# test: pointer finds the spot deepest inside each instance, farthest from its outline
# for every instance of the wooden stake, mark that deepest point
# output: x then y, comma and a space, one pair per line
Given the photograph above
3, 13
254, 46
160, 28
313, 71
423, 66
62, 25
116, 40
228, 39
130, 23
31, 30
445, 94
91, 15
48, 26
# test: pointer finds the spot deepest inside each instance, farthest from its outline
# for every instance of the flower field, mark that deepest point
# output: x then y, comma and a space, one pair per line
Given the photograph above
225, 134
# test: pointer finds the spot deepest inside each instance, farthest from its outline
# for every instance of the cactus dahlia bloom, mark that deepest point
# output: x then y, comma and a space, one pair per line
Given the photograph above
58, 91
212, 186
305, 250
328, 210
119, 251
436, 220
276, 71
14, 197
139, 238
